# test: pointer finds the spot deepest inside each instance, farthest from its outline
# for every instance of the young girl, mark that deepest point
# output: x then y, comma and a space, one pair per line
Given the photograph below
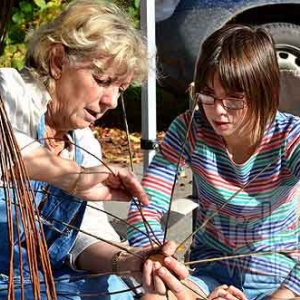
238, 143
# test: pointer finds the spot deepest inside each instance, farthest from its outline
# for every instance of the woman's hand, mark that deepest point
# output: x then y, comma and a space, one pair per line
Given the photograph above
143, 265
99, 183
167, 276
224, 292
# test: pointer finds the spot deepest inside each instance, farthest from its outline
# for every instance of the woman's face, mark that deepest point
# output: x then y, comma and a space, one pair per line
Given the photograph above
81, 96
226, 122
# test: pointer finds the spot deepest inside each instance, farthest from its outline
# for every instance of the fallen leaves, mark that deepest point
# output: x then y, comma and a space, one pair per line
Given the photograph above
114, 145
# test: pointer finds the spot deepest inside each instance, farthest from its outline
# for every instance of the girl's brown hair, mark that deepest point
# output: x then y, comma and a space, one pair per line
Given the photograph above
245, 60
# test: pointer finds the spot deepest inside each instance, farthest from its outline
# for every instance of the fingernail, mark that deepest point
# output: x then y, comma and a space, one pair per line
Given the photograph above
167, 260
157, 265
162, 271
148, 262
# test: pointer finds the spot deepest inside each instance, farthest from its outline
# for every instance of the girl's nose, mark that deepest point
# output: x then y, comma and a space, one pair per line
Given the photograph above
219, 107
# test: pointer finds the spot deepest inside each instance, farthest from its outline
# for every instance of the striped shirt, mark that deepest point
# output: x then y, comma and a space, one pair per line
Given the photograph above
261, 217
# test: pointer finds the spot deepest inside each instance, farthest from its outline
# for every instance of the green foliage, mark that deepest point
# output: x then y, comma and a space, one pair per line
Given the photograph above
30, 14
26, 15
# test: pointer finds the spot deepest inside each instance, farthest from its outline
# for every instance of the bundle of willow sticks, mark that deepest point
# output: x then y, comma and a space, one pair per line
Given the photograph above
24, 227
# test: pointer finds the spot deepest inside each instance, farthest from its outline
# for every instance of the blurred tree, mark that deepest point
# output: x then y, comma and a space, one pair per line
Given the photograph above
30, 14
4, 17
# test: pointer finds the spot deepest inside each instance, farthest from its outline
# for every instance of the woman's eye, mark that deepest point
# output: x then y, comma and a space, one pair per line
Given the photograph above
102, 82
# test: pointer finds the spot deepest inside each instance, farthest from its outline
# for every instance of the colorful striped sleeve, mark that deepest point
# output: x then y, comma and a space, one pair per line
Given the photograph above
292, 153
158, 182
292, 281
292, 150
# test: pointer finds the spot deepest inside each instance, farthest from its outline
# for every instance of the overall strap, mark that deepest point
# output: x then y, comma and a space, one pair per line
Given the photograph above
40, 132
58, 209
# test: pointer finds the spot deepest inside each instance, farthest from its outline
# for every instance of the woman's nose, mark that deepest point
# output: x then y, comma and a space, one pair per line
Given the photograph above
110, 97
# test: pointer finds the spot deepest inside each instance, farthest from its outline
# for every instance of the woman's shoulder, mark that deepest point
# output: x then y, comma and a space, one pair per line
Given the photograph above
9, 73
11, 81
89, 146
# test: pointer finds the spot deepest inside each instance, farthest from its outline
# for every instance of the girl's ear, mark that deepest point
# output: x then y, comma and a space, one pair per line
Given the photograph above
56, 61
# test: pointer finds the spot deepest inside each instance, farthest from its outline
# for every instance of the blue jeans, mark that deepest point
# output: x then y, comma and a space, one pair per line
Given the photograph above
74, 289
254, 286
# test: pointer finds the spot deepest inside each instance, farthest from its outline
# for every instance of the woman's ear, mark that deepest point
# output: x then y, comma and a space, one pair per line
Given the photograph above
56, 61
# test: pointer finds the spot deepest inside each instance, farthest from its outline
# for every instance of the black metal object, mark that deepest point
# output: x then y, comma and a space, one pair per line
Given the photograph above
149, 144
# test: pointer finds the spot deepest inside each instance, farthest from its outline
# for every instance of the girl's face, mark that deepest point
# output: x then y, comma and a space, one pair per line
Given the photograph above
226, 122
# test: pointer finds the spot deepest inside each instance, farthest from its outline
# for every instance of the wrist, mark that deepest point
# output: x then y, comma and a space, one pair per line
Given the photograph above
116, 262
124, 261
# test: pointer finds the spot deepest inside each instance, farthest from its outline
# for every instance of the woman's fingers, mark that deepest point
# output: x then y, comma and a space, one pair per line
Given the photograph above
100, 183
151, 282
147, 276
169, 248
176, 267
118, 184
158, 284
173, 284
130, 183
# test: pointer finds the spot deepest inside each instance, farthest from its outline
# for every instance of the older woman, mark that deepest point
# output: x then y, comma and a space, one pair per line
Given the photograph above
76, 68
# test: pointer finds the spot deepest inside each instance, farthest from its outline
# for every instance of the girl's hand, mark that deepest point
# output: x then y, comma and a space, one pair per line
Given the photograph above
224, 292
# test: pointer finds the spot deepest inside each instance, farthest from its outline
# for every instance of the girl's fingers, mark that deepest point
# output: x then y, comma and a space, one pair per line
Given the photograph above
224, 292
236, 292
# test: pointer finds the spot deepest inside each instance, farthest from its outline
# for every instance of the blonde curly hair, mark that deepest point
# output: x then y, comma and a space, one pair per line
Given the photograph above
90, 30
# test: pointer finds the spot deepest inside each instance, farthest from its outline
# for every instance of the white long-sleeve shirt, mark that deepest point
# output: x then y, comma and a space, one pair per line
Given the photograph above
25, 102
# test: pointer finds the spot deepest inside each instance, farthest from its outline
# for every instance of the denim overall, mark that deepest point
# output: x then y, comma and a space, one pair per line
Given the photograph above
54, 205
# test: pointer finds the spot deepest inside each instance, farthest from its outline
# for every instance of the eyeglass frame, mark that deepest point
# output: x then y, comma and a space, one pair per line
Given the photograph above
242, 100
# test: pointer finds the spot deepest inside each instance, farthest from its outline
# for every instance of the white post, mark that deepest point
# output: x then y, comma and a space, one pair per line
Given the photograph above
149, 89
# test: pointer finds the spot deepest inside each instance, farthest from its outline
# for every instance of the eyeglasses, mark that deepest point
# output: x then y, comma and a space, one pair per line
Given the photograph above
229, 103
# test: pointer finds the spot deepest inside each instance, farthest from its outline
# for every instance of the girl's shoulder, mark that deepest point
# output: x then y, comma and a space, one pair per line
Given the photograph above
286, 127
286, 122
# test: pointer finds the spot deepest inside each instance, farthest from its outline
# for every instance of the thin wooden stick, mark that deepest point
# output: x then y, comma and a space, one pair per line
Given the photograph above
228, 257
103, 211
99, 238
225, 203
126, 130
15, 178
202, 296
111, 171
177, 170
